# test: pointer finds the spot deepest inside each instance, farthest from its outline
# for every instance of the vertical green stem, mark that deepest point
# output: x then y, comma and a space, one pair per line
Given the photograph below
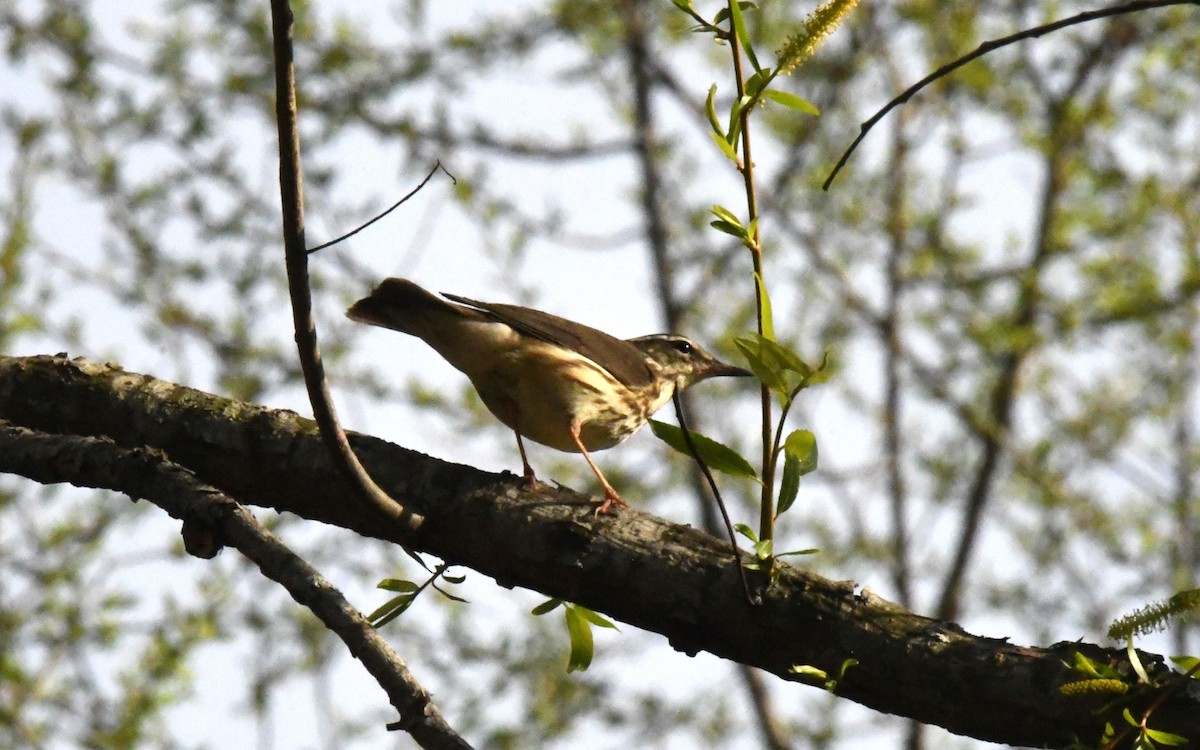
766, 523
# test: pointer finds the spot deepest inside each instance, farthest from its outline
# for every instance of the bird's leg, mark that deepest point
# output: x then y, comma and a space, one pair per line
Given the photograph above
610, 495
527, 470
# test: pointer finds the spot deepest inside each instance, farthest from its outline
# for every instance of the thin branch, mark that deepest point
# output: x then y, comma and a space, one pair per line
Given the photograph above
753, 599
292, 194
642, 71
393, 207
146, 473
991, 46
766, 522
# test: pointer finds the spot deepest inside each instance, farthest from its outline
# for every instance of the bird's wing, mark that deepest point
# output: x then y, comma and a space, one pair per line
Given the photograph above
623, 360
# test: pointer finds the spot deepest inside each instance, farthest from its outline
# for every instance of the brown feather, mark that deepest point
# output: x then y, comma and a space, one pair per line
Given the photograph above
623, 360
401, 305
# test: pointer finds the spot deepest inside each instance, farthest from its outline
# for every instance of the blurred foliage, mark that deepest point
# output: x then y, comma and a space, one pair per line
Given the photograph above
1006, 275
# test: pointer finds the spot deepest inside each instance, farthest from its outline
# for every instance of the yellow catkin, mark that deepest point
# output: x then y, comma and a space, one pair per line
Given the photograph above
1093, 688
819, 24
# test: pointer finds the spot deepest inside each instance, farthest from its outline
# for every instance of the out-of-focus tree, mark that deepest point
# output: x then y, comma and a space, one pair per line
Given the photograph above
1006, 276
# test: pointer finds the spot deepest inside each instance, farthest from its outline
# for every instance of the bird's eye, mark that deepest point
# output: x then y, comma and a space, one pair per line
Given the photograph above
683, 347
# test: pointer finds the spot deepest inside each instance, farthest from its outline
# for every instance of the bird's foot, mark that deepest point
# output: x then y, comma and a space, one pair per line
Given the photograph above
531, 479
611, 498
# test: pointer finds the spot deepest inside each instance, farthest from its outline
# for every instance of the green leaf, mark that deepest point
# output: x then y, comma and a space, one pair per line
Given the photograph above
727, 228
390, 610
1185, 662
735, 119
582, 647
821, 373
396, 584
763, 547
724, 214
746, 531
1093, 669
792, 101
757, 82
684, 5
789, 487
802, 444
809, 551
450, 596
1135, 662
763, 369
851, 662
710, 111
596, 618
743, 36
805, 670
1164, 738
547, 606
777, 366
726, 148
768, 317
831, 685
723, 13
718, 457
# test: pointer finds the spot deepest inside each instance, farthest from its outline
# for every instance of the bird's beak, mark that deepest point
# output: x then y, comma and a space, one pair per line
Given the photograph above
720, 370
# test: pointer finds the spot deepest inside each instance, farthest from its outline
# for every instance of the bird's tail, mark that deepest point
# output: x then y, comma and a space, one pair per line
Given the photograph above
403, 306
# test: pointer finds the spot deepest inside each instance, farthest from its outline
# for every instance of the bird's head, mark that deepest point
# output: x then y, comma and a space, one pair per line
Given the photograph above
681, 362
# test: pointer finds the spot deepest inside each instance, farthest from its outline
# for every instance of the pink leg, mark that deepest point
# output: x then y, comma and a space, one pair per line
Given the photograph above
610, 495
530, 477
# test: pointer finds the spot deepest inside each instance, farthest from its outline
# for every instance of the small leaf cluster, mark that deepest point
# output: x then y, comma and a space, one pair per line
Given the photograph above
1147, 738
1103, 680
726, 136
407, 592
764, 549
757, 86
786, 374
820, 677
579, 627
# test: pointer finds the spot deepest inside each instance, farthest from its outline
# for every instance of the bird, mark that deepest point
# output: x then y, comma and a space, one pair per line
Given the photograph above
551, 380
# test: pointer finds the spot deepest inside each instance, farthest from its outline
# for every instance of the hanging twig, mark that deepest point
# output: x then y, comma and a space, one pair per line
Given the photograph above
712, 484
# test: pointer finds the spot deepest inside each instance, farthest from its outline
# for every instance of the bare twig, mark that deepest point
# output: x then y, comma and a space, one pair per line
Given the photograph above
393, 207
292, 195
991, 46
712, 485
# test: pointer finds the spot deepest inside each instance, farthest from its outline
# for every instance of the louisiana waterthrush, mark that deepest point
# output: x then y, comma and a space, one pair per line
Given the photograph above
552, 380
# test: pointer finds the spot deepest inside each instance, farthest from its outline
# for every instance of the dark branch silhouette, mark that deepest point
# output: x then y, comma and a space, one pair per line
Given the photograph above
147, 473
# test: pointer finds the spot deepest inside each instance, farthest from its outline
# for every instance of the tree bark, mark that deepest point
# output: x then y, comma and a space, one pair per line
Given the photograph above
642, 570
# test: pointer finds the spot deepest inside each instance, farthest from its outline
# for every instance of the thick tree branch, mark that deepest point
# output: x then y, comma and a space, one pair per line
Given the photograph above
147, 473
659, 576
